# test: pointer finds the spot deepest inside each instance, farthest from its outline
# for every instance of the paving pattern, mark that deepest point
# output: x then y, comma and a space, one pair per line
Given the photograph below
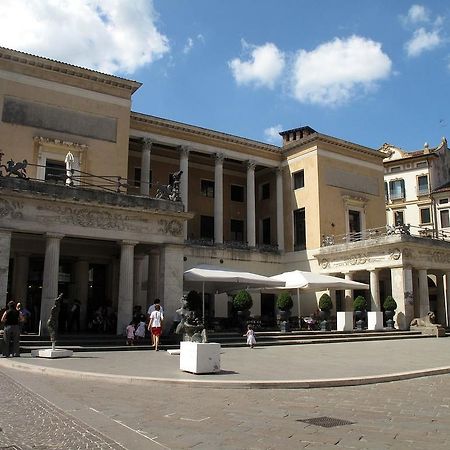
30, 422
409, 414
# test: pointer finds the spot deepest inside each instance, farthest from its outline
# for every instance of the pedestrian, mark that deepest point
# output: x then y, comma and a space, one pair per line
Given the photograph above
152, 308
139, 334
74, 317
24, 316
11, 331
155, 325
130, 333
251, 341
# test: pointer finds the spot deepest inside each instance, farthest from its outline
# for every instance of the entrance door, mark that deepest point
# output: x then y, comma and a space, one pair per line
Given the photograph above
354, 225
268, 317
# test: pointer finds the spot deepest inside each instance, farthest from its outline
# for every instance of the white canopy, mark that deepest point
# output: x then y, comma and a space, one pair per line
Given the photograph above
225, 279
309, 281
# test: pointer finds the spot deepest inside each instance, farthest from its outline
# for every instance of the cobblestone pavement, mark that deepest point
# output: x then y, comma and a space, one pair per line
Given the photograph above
410, 414
30, 422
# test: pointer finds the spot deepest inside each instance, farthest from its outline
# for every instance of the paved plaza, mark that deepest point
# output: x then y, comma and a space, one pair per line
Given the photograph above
46, 411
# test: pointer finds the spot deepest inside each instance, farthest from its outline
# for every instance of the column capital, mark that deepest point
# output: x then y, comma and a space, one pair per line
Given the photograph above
250, 164
184, 151
279, 170
147, 144
218, 157
54, 235
127, 242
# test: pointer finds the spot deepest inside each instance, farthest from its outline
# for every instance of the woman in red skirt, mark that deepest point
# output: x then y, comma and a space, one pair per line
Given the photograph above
155, 324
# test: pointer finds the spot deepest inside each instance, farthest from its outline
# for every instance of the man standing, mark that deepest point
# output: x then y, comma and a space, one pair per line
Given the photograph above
11, 330
152, 308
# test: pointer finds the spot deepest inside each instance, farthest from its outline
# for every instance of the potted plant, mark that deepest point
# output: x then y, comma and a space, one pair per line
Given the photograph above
242, 302
359, 306
325, 306
284, 304
389, 305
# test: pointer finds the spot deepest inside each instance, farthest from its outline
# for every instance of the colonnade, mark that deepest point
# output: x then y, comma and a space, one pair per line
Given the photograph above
218, 192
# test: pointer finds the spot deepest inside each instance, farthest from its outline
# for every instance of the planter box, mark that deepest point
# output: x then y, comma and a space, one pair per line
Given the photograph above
374, 320
199, 358
344, 321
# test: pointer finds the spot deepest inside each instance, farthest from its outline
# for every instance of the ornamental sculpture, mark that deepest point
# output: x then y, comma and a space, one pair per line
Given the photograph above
18, 169
170, 191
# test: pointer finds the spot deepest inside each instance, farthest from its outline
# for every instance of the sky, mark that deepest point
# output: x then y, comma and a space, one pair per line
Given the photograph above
366, 71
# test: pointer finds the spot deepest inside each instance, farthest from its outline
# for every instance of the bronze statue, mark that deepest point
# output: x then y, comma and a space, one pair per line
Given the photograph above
52, 322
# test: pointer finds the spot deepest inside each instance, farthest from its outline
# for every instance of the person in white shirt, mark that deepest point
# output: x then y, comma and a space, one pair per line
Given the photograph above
152, 308
155, 324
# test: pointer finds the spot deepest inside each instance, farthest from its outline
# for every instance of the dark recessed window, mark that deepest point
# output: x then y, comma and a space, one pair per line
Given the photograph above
299, 229
399, 218
137, 177
237, 193
445, 222
206, 227
55, 171
425, 215
207, 188
266, 231
265, 191
299, 179
237, 230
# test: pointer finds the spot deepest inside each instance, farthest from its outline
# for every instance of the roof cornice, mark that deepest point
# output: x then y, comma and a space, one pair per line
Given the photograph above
51, 65
159, 122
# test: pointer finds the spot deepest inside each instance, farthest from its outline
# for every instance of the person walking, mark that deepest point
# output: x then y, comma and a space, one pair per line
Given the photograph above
251, 341
152, 308
11, 331
155, 325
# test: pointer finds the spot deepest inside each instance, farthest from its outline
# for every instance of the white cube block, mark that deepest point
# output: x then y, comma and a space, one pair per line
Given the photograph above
344, 321
374, 320
199, 358
50, 353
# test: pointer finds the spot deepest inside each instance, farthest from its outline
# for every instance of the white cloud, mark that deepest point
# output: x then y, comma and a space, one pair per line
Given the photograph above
114, 36
337, 70
190, 43
264, 67
417, 14
421, 41
272, 134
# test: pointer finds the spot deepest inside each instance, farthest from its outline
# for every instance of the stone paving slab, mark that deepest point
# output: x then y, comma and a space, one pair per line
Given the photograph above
294, 366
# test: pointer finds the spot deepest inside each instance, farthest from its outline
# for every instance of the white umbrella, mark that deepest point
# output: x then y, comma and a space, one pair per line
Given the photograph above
300, 280
227, 279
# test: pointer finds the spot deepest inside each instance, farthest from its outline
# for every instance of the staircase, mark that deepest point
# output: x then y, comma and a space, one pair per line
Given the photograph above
99, 342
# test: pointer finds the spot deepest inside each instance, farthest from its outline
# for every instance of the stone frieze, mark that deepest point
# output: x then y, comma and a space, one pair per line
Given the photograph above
11, 209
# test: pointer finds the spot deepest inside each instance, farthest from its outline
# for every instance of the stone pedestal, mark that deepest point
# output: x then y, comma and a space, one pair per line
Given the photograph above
199, 358
52, 353
344, 321
374, 320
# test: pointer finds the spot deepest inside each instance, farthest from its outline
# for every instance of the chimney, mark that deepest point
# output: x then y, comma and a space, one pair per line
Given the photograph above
296, 134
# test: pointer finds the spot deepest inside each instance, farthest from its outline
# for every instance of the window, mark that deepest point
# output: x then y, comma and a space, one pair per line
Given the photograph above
265, 191
55, 171
237, 230
422, 185
445, 222
399, 218
266, 231
395, 169
354, 224
397, 189
207, 188
299, 179
237, 193
299, 229
137, 177
206, 227
442, 201
425, 215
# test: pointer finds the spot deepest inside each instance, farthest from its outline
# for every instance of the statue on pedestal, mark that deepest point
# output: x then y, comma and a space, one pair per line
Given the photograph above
190, 326
52, 322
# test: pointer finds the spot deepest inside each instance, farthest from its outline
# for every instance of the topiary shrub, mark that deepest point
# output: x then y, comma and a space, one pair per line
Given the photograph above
325, 303
194, 301
389, 304
360, 303
242, 301
284, 301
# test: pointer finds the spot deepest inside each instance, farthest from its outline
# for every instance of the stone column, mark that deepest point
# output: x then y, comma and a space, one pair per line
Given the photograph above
184, 182
348, 294
375, 303
145, 166
251, 225
441, 315
81, 270
20, 277
402, 291
5, 250
218, 198
447, 297
50, 278
424, 299
280, 212
171, 278
138, 295
125, 304
153, 278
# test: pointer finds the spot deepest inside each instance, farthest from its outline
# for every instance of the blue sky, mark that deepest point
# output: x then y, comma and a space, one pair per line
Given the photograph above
366, 71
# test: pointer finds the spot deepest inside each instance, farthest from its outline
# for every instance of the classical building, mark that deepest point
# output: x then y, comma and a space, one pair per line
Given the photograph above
110, 206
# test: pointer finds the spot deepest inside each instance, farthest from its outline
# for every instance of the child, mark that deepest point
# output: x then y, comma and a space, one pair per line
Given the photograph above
250, 336
130, 334
140, 331
155, 324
